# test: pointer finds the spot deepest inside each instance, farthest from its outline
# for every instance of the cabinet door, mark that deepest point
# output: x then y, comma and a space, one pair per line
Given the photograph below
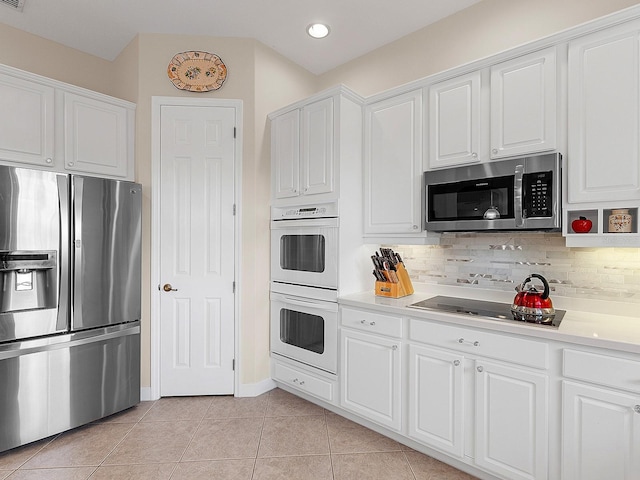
454, 121
285, 155
96, 136
26, 125
523, 105
511, 421
317, 148
370, 377
393, 165
604, 110
600, 433
436, 384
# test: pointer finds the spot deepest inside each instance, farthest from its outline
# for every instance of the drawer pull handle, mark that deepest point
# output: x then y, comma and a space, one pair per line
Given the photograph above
295, 380
475, 344
480, 369
364, 322
394, 347
636, 409
302, 383
372, 323
456, 363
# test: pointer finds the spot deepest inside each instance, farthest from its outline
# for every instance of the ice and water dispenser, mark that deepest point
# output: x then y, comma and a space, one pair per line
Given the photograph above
28, 280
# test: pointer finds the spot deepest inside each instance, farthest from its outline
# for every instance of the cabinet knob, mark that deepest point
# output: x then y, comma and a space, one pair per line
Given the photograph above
494, 151
415, 227
474, 155
49, 160
394, 347
480, 369
456, 363
70, 164
636, 409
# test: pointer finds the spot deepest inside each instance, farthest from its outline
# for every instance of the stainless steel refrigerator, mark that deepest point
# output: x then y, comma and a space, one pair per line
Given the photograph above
70, 283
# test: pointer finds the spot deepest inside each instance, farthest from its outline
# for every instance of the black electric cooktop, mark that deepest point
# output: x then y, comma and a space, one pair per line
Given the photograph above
480, 308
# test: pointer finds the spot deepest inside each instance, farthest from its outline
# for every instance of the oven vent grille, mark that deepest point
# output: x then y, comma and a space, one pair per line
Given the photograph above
16, 4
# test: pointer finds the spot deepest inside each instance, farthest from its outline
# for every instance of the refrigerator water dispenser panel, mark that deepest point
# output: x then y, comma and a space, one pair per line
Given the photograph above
28, 280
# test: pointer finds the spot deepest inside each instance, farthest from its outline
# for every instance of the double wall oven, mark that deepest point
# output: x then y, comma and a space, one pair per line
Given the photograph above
304, 284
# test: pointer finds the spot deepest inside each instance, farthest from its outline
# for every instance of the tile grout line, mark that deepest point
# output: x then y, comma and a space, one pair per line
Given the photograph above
264, 417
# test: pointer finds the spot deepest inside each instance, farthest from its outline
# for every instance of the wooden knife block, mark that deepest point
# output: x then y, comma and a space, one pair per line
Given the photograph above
402, 288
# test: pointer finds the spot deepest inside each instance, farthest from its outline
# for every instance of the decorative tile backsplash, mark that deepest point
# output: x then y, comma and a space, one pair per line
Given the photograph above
501, 261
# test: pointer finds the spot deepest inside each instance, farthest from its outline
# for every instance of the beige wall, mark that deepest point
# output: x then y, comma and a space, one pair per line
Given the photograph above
265, 81
35, 54
484, 29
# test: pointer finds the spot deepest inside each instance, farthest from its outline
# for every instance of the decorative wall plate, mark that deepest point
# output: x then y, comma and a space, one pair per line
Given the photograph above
197, 71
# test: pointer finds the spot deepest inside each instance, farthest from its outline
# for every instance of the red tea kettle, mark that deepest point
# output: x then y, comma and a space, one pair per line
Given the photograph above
530, 305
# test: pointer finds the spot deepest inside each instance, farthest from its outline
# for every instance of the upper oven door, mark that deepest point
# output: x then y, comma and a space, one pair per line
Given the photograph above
305, 252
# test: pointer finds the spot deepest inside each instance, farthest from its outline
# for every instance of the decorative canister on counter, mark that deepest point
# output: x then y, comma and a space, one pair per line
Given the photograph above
620, 221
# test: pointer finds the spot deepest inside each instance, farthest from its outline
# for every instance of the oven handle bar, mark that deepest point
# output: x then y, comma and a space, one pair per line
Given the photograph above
304, 223
326, 306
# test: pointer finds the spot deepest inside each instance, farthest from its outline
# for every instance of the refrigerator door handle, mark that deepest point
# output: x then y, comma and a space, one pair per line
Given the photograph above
77, 197
64, 296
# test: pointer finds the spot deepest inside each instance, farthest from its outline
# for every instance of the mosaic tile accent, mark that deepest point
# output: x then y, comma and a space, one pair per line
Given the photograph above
501, 261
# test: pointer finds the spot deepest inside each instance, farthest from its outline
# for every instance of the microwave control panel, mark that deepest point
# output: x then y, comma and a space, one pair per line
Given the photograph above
538, 197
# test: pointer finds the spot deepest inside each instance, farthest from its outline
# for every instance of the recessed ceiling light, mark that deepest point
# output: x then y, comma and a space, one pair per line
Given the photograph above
318, 30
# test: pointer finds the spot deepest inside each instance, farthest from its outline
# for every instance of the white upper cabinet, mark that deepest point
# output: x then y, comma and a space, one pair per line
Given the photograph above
313, 144
285, 154
65, 128
455, 121
393, 165
96, 136
317, 148
27, 121
524, 105
604, 116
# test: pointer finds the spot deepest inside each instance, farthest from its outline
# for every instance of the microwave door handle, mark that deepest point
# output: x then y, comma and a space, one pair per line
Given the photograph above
518, 196
302, 303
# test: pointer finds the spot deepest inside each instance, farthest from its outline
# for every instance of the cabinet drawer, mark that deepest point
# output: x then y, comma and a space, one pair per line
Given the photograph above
522, 351
602, 369
305, 382
372, 322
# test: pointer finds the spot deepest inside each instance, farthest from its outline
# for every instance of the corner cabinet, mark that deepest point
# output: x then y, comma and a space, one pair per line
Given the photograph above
393, 165
310, 141
64, 128
603, 164
371, 374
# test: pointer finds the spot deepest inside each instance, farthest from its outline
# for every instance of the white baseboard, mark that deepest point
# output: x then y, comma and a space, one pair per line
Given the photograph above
145, 394
255, 389
244, 390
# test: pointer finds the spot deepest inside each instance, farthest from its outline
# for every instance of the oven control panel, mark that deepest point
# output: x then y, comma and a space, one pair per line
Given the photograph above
311, 211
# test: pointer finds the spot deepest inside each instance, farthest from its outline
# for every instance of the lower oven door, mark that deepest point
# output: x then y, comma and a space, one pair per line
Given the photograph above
305, 252
305, 330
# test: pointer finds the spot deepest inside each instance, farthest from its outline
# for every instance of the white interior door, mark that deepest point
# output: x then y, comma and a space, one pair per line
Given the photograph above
197, 250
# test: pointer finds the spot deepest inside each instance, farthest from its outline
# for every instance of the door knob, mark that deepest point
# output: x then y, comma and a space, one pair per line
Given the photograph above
168, 288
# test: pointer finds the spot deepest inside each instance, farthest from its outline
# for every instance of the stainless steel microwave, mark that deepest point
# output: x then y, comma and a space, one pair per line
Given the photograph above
516, 194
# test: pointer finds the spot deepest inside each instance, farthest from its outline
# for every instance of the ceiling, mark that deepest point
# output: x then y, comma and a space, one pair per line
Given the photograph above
104, 27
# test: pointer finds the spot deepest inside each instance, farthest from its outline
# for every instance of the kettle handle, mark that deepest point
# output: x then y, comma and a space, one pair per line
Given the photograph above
545, 293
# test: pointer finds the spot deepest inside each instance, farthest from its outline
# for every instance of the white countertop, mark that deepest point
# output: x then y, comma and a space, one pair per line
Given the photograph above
598, 323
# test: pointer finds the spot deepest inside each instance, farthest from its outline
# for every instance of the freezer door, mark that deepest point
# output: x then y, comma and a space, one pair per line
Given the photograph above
106, 252
34, 239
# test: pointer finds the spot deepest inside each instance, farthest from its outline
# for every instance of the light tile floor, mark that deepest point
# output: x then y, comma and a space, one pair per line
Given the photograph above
274, 436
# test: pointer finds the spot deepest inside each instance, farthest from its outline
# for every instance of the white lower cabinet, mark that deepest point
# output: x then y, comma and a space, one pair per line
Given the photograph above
436, 399
370, 378
457, 394
600, 422
511, 421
